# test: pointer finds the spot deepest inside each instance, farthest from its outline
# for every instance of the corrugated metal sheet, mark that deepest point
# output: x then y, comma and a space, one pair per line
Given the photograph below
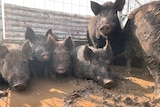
17, 18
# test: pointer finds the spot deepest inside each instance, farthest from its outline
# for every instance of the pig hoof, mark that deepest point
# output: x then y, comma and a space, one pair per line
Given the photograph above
19, 87
3, 94
108, 84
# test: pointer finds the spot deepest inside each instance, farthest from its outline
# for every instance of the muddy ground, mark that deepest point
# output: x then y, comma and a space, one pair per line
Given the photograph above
133, 89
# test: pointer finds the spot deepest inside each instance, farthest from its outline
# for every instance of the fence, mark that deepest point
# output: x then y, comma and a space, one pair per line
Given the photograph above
63, 24
65, 17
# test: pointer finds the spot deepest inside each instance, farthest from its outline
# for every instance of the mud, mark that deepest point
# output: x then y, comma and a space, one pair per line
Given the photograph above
133, 89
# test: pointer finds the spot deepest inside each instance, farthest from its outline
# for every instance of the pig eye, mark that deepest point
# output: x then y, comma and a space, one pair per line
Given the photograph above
9, 64
108, 62
95, 63
99, 77
65, 60
54, 53
25, 61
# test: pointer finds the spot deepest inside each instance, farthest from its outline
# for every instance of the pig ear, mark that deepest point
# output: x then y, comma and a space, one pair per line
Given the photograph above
119, 4
3, 51
96, 8
49, 32
27, 50
29, 34
69, 43
50, 41
88, 53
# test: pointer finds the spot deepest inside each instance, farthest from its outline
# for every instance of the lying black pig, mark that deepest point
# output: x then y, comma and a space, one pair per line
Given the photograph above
92, 63
14, 68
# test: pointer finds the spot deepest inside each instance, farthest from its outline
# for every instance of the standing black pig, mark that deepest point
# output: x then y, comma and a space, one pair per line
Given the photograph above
142, 33
105, 25
14, 68
40, 52
92, 63
61, 56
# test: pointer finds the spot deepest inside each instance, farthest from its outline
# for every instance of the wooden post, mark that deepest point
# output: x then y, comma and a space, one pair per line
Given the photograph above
2, 21
1, 28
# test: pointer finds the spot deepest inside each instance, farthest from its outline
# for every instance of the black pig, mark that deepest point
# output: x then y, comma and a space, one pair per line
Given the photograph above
61, 56
40, 52
142, 33
92, 63
15, 67
105, 25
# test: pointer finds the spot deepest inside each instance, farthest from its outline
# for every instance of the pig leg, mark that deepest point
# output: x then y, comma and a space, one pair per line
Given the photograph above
154, 67
128, 65
33, 73
128, 55
46, 72
3, 94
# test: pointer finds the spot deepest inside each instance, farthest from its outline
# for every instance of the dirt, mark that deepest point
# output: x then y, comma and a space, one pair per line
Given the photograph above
133, 89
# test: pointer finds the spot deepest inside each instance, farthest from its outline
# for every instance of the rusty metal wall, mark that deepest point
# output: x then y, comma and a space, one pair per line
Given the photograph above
17, 18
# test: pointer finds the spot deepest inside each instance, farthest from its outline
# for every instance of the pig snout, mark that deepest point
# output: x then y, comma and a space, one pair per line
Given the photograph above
60, 69
41, 53
45, 56
19, 86
105, 29
107, 83
105, 78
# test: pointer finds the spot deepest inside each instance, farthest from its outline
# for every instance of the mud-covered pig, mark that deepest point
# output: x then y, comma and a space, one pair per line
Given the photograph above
142, 33
40, 52
105, 25
14, 68
92, 63
61, 56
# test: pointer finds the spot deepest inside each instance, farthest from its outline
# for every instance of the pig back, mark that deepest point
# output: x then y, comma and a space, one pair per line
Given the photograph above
80, 64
